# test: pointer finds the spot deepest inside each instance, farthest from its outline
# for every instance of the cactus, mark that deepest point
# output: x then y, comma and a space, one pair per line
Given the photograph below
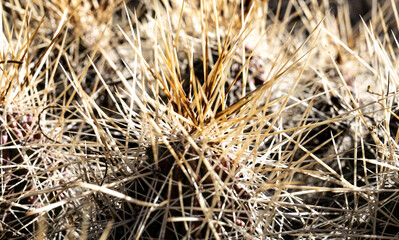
18, 133
197, 120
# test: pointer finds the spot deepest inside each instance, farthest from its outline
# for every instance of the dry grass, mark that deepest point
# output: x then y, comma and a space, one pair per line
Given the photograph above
198, 120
